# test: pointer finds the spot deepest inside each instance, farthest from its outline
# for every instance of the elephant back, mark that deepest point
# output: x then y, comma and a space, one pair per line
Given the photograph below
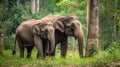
52, 18
26, 25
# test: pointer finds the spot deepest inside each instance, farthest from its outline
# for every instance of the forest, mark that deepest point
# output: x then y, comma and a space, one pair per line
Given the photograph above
100, 21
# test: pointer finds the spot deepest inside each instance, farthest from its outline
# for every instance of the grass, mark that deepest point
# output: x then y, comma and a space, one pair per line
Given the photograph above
103, 58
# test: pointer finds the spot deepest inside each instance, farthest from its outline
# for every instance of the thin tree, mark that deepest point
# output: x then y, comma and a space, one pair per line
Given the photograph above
37, 6
32, 6
1, 40
115, 22
93, 23
24, 4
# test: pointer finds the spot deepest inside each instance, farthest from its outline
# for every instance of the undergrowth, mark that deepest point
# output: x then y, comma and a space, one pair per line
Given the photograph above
101, 59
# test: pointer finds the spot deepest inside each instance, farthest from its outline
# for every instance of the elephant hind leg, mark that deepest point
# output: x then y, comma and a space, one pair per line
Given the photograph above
29, 50
22, 51
21, 47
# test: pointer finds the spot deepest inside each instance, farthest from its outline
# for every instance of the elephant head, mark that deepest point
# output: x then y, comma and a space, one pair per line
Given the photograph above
71, 26
45, 30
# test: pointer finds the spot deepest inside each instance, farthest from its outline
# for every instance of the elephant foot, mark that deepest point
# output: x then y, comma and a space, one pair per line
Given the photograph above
63, 54
81, 56
39, 57
28, 56
21, 56
13, 52
52, 54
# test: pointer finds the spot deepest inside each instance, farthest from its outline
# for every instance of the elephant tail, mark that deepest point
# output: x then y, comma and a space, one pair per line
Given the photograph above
14, 49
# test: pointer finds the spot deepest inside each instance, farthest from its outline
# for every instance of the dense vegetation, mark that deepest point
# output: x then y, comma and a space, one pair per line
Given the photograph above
106, 58
12, 13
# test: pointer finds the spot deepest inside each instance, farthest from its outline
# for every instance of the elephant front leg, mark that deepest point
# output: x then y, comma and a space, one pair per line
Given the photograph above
64, 47
29, 50
39, 46
40, 53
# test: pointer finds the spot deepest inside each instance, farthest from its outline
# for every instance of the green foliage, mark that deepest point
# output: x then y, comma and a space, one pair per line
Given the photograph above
114, 50
100, 60
106, 21
77, 7
118, 25
11, 16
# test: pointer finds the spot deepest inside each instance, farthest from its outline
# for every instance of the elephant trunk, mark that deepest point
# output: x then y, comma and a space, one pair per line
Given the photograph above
51, 43
79, 36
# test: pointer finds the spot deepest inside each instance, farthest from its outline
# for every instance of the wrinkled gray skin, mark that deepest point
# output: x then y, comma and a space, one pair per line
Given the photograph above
66, 26
37, 33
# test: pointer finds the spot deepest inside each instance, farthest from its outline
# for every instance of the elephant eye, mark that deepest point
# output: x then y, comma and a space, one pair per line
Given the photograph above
46, 30
72, 25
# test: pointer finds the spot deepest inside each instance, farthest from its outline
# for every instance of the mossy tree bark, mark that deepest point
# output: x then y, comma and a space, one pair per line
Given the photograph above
93, 23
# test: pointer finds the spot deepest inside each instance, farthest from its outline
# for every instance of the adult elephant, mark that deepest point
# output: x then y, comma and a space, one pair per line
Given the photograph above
37, 33
66, 26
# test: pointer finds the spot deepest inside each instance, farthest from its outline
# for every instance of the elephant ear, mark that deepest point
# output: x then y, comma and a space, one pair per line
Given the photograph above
36, 29
59, 25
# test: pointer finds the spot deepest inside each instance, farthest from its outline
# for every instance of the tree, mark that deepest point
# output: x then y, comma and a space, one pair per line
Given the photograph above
92, 37
37, 6
115, 22
1, 40
24, 4
106, 25
34, 6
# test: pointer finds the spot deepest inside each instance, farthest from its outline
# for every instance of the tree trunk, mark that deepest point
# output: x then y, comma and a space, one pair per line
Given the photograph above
115, 23
1, 40
24, 4
32, 6
37, 6
92, 38
87, 15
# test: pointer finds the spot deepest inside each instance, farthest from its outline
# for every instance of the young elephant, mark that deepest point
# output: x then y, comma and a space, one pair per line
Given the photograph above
66, 26
37, 33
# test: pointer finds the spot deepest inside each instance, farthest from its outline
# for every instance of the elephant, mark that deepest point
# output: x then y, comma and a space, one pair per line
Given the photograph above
37, 33
65, 26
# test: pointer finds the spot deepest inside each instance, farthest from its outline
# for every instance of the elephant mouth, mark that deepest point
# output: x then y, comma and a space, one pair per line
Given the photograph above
69, 32
44, 35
